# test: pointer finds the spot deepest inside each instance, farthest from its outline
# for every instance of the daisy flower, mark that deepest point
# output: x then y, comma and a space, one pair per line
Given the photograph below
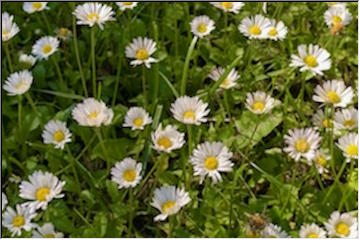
346, 119
93, 13
190, 110
233, 7
45, 47
312, 58
18, 83
312, 231
31, 7
259, 102
321, 121
92, 113
28, 60
349, 145
334, 92
63, 33
255, 27
47, 230
141, 50
169, 200
321, 160
167, 139
126, 5
229, 81
4, 201
126, 173
336, 18
8, 27
17, 220
277, 30
273, 231
302, 143
211, 158
336, 4
41, 189
55, 132
137, 118
202, 26
342, 225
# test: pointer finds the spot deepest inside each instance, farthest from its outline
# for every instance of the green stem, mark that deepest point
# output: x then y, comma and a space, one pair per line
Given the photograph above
184, 163
131, 214
46, 22
7, 52
32, 104
83, 81
58, 71
19, 112
72, 162
144, 85
99, 135
92, 43
186, 66
117, 81
227, 106
143, 182
335, 182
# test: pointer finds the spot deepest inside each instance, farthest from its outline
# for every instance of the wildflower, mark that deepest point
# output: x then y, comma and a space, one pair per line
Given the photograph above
55, 132
45, 47
334, 92
167, 139
4, 201
8, 27
190, 110
342, 225
349, 145
63, 33
255, 27
336, 18
126, 173
277, 30
126, 5
233, 7
273, 231
18, 83
259, 102
137, 118
346, 119
19, 219
229, 81
29, 60
312, 231
321, 160
321, 121
31, 7
47, 230
93, 13
141, 50
202, 26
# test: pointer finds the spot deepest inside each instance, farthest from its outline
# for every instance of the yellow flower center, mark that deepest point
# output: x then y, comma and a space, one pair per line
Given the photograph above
49, 235
4, 32
225, 83
93, 17
312, 235
127, 3
258, 106
36, 5
93, 115
189, 114
20, 85
333, 97
342, 228
47, 48
227, 5
59, 136
202, 28
142, 54
302, 146
64, 32
349, 123
167, 206
211, 163
311, 61
41, 193
327, 123
352, 150
321, 161
273, 32
336, 19
18, 221
165, 142
255, 30
129, 175
138, 122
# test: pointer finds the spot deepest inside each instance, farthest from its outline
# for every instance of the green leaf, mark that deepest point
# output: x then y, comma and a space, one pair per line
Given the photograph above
116, 149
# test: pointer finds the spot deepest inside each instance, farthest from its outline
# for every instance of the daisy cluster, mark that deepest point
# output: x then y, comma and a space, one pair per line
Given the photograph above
210, 160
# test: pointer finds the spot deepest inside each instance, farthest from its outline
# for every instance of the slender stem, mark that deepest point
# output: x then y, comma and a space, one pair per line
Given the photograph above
8, 57
83, 81
72, 162
117, 81
171, 225
58, 71
190, 140
143, 182
186, 66
318, 178
227, 106
92, 42
19, 112
32, 104
144, 85
99, 135
46, 21
131, 214
335, 182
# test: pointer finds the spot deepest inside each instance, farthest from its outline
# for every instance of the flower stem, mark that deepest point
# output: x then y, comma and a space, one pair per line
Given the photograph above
227, 106
58, 71
99, 135
8, 57
144, 85
131, 214
19, 112
46, 22
32, 104
92, 43
72, 162
186, 66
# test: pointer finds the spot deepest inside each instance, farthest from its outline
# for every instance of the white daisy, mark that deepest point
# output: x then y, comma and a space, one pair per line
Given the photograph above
45, 47
141, 50
31, 7
346, 119
302, 143
41, 188
211, 158
169, 200
126, 5
18, 220
233, 7
47, 230
92, 113
321, 121
259, 102
342, 225
126, 173
137, 118
4, 201
93, 13
18, 83
55, 132
202, 26
321, 160
312, 58
190, 110
312, 231
337, 17
63, 33
255, 27
336, 4
349, 145
273, 231
167, 139
229, 81
334, 92
277, 30
8, 27
27, 59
